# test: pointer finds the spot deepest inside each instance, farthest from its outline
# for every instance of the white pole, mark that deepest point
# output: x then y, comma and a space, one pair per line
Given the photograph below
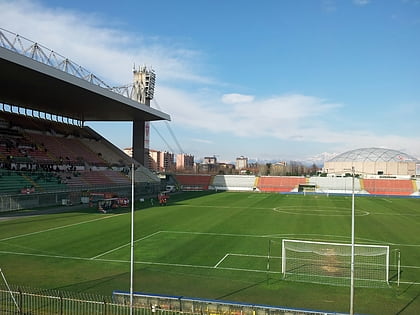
283, 259
399, 268
352, 249
268, 259
132, 240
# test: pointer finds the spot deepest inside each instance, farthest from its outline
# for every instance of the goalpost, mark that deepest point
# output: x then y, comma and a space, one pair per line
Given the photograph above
329, 263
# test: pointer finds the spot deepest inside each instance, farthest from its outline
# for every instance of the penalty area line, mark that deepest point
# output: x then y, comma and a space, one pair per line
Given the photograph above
136, 262
122, 246
221, 260
59, 227
157, 264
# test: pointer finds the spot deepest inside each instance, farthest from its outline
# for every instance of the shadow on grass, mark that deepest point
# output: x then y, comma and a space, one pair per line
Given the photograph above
241, 289
87, 286
402, 311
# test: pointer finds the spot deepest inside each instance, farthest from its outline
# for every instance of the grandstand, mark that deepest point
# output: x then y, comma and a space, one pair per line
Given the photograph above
43, 156
280, 183
293, 184
334, 184
71, 156
194, 182
234, 182
45, 147
403, 187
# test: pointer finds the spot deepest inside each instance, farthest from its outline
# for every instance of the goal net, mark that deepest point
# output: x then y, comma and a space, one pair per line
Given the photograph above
330, 263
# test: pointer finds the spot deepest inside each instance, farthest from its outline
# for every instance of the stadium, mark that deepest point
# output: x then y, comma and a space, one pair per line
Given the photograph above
219, 244
373, 161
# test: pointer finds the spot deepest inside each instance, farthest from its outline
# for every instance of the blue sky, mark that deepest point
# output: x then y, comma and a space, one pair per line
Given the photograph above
270, 80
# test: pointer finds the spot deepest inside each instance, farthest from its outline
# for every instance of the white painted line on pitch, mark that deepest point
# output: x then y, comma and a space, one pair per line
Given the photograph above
221, 260
122, 246
256, 256
387, 200
166, 264
59, 227
216, 234
136, 262
280, 236
397, 214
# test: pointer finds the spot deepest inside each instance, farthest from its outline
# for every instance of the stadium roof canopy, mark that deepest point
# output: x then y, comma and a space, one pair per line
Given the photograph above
31, 84
373, 155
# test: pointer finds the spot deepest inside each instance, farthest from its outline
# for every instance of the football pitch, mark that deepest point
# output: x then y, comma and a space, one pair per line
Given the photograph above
223, 245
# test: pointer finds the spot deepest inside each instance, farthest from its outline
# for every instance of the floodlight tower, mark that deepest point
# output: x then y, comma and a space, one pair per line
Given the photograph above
143, 91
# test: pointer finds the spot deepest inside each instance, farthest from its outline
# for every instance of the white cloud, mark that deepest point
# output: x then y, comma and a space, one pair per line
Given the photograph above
234, 98
361, 2
88, 40
282, 117
291, 117
95, 44
202, 141
329, 5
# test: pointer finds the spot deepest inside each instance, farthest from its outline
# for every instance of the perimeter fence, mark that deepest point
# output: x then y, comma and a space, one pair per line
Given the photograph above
72, 196
29, 301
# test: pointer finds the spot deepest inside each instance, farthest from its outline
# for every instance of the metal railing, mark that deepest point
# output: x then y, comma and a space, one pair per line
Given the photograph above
40, 53
28, 301
71, 196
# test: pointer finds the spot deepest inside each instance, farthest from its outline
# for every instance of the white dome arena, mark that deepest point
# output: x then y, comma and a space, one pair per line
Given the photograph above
373, 161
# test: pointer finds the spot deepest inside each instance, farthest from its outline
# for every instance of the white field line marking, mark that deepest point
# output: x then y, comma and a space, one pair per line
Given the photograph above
387, 200
257, 256
165, 264
397, 214
136, 262
282, 236
310, 237
58, 227
322, 213
217, 234
221, 260
122, 246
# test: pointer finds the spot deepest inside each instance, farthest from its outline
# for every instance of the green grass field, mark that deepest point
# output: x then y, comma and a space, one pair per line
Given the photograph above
215, 245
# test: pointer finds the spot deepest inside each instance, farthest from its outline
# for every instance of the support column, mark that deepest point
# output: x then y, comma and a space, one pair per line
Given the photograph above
139, 152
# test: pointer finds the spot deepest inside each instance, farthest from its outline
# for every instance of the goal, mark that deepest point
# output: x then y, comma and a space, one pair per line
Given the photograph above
330, 263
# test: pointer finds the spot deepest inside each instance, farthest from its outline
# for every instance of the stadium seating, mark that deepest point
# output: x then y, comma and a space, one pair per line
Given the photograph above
12, 182
94, 178
45, 141
46, 155
280, 183
24, 182
335, 184
107, 151
194, 182
402, 187
234, 182
66, 150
